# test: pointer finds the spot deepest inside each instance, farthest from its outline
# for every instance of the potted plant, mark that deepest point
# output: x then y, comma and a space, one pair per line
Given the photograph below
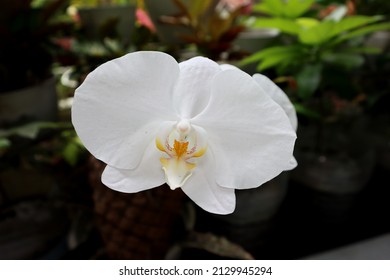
27, 87
320, 55
210, 26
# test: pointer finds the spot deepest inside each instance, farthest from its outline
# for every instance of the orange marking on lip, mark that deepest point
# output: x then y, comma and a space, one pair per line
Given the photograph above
180, 148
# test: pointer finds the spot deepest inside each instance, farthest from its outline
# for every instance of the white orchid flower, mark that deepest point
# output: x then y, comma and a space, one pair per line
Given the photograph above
190, 125
277, 95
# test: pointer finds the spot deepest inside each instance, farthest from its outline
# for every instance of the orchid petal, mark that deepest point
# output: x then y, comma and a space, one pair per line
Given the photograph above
192, 91
146, 176
291, 164
205, 192
121, 104
228, 67
252, 139
278, 96
282, 99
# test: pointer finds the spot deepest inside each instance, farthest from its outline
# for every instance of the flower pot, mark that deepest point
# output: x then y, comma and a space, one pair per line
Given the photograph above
251, 224
36, 103
135, 225
335, 172
95, 20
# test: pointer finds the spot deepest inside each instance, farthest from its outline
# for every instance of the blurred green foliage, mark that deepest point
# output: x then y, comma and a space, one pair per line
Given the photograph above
318, 50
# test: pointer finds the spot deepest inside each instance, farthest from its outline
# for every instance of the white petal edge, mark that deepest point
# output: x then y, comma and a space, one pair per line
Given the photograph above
120, 104
291, 164
271, 89
228, 67
146, 176
202, 188
250, 134
282, 99
278, 96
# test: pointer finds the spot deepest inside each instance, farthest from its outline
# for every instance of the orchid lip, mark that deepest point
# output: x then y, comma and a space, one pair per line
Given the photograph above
181, 146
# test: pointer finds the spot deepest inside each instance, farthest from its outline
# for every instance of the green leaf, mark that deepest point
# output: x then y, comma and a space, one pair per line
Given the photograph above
282, 8
296, 8
31, 130
305, 111
347, 60
251, 59
71, 153
363, 31
4, 143
317, 34
278, 51
326, 30
198, 7
257, 56
271, 7
362, 50
307, 23
352, 22
73, 149
276, 60
284, 25
308, 80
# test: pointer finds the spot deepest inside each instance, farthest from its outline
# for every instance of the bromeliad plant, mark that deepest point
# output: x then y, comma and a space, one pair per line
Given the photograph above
210, 25
204, 128
94, 3
318, 53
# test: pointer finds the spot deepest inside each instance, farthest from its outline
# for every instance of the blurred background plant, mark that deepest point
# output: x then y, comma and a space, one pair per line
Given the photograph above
210, 26
329, 60
320, 52
98, 19
103, 31
94, 3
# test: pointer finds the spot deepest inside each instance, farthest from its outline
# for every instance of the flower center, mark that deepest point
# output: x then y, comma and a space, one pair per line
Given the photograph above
181, 146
